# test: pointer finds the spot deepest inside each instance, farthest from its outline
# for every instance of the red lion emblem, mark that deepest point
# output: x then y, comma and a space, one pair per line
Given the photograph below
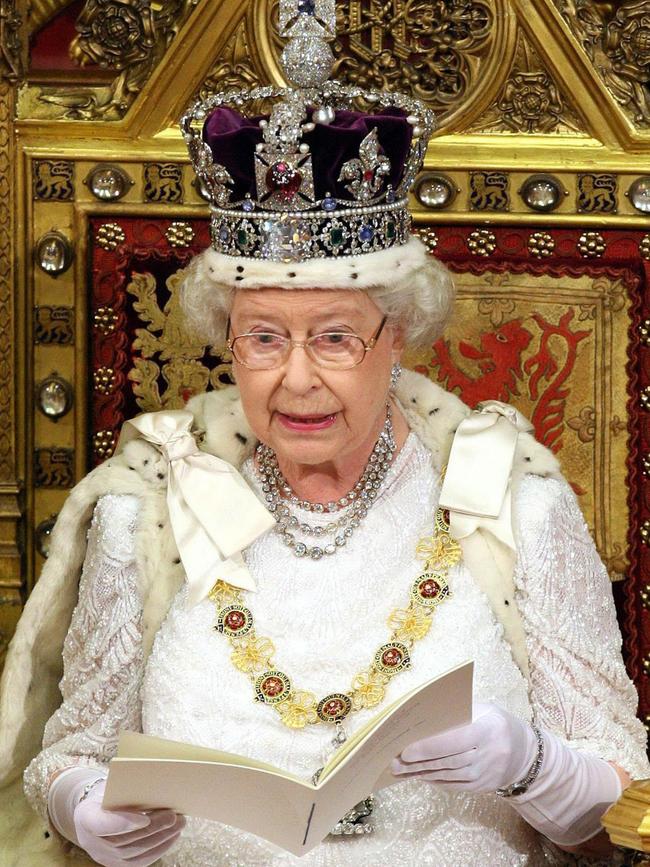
501, 373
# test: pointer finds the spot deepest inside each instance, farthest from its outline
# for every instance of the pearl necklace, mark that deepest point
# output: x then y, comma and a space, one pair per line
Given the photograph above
280, 498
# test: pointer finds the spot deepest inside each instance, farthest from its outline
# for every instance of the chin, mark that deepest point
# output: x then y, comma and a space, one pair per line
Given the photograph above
300, 450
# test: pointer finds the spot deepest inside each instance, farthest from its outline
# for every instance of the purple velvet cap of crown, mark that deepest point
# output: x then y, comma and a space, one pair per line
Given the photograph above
232, 139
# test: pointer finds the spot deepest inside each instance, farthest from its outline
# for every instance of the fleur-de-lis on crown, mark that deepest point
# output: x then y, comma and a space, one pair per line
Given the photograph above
366, 174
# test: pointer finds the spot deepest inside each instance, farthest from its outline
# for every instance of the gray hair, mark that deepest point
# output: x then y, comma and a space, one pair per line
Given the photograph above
418, 298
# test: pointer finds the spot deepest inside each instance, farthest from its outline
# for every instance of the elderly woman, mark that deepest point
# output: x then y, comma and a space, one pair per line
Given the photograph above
313, 368
316, 288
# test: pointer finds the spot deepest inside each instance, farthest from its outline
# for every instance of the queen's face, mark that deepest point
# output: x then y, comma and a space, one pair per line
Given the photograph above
310, 415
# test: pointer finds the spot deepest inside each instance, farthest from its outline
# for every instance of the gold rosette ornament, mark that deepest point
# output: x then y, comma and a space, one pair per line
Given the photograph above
299, 710
253, 654
368, 688
439, 551
409, 624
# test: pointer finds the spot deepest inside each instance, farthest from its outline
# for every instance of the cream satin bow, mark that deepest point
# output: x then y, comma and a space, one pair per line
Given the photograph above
476, 489
214, 514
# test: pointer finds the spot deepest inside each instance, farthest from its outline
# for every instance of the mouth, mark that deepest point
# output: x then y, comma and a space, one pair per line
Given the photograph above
306, 422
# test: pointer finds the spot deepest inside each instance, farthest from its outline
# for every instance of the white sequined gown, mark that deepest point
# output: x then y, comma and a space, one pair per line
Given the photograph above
326, 619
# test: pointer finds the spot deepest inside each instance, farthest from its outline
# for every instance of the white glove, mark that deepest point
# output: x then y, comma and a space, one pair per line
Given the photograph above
494, 750
565, 802
113, 838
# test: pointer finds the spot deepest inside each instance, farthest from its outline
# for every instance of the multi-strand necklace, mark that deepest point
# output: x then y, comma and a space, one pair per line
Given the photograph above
281, 500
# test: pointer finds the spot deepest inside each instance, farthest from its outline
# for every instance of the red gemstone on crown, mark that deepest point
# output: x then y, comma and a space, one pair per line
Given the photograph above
272, 686
368, 175
235, 620
392, 657
428, 589
282, 178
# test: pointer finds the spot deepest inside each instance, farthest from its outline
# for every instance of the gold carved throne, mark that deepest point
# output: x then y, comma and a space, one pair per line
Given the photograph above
536, 193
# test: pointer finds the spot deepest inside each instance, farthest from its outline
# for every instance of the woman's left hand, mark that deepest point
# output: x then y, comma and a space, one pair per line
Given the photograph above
495, 750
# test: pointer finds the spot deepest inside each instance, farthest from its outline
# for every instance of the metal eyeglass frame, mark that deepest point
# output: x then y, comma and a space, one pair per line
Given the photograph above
306, 345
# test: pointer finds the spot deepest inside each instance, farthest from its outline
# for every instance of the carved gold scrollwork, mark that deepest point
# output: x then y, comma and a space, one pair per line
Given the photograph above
114, 33
129, 36
429, 49
616, 36
530, 100
449, 54
7, 348
11, 46
234, 68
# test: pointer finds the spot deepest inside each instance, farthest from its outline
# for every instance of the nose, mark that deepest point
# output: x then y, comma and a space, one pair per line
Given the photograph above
300, 374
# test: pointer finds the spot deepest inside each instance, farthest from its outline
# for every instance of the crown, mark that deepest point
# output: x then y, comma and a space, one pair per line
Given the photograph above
314, 178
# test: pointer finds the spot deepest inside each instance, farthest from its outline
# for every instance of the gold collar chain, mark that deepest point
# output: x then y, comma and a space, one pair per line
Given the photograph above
253, 654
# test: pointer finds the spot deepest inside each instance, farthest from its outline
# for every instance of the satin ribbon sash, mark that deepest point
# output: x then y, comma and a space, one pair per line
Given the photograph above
476, 488
214, 514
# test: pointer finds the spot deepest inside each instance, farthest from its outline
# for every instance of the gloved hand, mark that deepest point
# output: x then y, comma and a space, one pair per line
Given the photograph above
113, 838
124, 838
496, 749
571, 792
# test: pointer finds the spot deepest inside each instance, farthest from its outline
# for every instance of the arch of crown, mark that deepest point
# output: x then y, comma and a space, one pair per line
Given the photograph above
519, 87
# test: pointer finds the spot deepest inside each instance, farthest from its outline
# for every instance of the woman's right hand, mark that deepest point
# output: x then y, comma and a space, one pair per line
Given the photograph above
124, 838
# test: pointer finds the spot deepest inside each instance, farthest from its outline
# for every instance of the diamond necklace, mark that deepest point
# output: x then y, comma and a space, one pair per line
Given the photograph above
280, 498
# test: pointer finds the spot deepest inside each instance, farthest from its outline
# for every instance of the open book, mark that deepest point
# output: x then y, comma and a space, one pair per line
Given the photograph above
288, 811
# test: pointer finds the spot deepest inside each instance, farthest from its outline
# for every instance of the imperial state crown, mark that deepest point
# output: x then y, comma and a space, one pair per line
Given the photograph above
316, 177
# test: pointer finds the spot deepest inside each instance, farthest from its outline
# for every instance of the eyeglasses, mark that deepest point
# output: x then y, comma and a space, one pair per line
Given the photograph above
336, 350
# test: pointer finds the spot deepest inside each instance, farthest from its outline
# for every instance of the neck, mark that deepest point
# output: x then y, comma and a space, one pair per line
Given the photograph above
332, 480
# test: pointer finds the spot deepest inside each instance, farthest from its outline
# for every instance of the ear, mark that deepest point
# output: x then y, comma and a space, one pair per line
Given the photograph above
399, 335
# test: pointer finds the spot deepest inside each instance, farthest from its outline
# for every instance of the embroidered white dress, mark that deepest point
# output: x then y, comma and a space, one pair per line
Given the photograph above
326, 619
